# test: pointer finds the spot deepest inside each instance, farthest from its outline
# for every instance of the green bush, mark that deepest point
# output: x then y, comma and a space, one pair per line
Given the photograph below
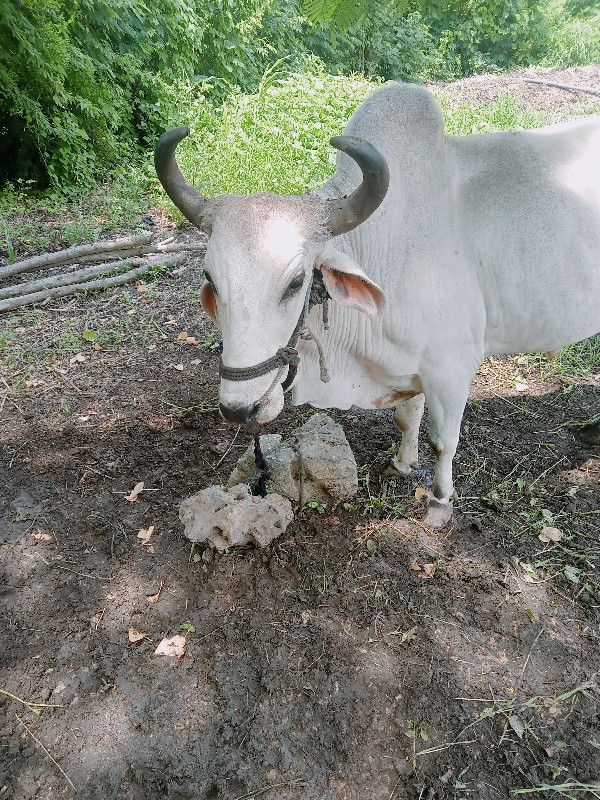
81, 81
274, 140
574, 33
84, 83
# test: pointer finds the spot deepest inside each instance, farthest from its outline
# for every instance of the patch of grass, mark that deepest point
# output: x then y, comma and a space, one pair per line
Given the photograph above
576, 359
275, 140
506, 114
380, 498
34, 222
573, 39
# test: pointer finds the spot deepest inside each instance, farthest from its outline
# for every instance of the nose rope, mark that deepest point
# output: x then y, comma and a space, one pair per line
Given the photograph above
258, 483
288, 356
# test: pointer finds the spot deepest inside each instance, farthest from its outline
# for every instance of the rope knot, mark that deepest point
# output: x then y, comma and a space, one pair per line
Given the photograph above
288, 356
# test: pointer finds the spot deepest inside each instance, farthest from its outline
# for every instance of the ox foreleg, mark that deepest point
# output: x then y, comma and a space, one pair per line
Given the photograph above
446, 402
407, 418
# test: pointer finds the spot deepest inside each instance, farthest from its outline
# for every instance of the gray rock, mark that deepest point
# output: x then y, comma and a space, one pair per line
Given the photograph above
316, 464
226, 517
282, 466
327, 462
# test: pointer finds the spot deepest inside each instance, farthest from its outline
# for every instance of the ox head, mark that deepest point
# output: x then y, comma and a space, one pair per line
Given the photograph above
261, 254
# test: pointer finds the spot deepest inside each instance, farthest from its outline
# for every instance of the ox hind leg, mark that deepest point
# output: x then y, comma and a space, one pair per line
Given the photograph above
407, 418
446, 402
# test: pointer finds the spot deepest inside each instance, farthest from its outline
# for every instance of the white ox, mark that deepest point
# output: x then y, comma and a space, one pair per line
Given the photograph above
482, 244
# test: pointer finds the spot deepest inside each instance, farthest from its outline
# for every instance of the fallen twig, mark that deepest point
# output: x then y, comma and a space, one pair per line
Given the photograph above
63, 279
566, 86
27, 703
73, 254
54, 761
101, 283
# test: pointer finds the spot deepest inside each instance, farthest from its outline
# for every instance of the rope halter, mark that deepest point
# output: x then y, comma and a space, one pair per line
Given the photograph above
288, 356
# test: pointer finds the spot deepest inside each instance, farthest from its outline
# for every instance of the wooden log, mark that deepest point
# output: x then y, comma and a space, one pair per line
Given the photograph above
63, 279
101, 283
74, 253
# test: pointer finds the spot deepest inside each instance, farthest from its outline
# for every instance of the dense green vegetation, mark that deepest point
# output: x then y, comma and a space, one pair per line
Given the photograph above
85, 85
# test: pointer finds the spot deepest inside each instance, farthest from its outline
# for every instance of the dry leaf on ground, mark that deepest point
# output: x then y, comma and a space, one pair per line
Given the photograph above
77, 359
144, 535
154, 596
175, 646
135, 492
135, 635
425, 571
420, 494
548, 534
185, 338
428, 570
42, 536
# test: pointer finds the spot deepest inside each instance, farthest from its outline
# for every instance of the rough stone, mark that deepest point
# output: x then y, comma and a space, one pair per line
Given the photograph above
282, 466
315, 464
328, 464
232, 516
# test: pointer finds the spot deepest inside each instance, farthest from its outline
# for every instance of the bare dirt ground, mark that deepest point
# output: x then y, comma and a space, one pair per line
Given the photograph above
487, 88
326, 667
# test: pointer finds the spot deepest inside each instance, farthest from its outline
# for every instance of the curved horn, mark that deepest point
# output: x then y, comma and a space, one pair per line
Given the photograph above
187, 199
346, 213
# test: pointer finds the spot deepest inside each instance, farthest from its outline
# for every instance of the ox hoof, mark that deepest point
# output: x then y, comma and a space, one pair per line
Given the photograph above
397, 469
439, 512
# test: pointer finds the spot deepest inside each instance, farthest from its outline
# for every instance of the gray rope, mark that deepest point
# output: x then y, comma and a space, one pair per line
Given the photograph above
285, 356
306, 333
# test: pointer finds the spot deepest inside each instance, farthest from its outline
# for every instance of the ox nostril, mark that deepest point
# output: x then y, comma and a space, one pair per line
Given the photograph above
241, 415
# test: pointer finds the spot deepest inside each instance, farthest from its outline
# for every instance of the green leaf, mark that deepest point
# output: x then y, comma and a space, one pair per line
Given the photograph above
572, 574
517, 724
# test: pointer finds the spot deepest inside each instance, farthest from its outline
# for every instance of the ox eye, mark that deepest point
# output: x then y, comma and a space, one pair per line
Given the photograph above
295, 285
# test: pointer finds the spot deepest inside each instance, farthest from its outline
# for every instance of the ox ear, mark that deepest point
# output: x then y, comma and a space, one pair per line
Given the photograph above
347, 284
208, 300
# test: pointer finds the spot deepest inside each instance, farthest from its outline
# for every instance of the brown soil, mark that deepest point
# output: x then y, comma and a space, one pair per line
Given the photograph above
488, 88
326, 667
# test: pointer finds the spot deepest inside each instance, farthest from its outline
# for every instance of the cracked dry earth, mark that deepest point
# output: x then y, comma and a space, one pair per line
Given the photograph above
359, 657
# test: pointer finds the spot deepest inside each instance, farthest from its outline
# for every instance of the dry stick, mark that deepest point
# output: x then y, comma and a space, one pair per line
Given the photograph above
27, 703
566, 86
78, 276
73, 253
54, 761
542, 629
139, 251
101, 283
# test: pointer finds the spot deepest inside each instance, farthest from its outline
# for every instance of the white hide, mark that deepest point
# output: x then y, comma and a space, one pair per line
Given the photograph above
484, 244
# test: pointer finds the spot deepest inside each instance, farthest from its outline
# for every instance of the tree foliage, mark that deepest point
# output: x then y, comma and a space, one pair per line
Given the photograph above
84, 82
